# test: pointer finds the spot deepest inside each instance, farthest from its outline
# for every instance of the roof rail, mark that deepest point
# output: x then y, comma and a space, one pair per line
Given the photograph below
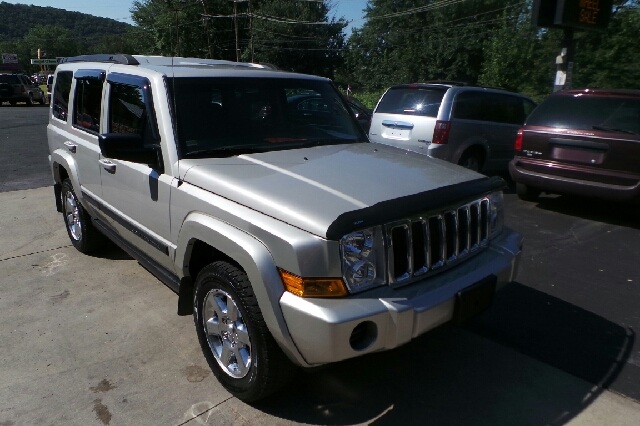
448, 82
119, 58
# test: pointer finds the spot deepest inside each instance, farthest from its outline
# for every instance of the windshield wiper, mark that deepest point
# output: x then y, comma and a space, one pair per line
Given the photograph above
613, 129
221, 152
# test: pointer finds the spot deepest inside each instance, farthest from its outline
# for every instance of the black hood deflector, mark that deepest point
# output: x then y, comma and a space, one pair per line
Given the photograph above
390, 210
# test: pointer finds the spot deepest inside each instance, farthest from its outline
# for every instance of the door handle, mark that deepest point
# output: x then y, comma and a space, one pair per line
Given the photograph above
108, 165
70, 146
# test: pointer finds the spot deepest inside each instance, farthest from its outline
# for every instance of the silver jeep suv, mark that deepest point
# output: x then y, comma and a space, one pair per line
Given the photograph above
471, 126
291, 239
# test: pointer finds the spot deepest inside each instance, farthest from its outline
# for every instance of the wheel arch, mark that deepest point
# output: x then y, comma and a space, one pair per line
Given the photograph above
203, 240
478, 145
63, 166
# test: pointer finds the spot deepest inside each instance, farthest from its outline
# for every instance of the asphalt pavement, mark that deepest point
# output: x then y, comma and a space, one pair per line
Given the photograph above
96, 339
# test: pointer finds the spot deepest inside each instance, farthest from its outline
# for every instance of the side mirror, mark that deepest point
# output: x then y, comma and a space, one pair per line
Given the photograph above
129, 147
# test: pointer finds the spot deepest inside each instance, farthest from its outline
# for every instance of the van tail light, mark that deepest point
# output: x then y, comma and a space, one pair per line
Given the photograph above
441, 132
518, 143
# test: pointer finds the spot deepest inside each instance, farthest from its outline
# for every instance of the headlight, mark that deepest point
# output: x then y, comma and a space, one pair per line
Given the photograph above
362, 259
496, 213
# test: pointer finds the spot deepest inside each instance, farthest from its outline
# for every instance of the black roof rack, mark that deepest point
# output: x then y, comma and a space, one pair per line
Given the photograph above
447, 82
119, 58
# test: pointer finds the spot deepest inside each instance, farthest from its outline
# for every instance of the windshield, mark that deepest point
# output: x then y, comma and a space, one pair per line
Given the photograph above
588, 113
230, 116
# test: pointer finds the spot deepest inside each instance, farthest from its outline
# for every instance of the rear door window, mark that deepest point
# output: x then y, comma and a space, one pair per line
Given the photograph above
61, 95
87, 100
588, 113
412, 101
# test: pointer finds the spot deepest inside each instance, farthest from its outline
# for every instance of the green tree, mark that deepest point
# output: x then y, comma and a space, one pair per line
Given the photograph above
293, 35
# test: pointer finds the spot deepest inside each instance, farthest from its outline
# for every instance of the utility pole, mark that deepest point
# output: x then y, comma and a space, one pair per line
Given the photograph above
564, 62
235, 23
251, 30
206, 23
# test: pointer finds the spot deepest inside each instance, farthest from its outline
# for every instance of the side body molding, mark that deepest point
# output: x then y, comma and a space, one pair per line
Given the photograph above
253, 257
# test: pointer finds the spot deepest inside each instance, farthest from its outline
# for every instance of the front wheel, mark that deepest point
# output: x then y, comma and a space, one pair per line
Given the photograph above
83, 235
233, 335
527, 193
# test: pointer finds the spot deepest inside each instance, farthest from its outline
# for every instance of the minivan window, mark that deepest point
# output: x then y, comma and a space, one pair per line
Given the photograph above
231, 116
488, 106
61, 95
585, 112
412, 101
88, 96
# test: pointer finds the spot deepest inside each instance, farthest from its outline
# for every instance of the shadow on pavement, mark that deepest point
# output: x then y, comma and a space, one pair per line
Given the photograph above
620, 214
455, 377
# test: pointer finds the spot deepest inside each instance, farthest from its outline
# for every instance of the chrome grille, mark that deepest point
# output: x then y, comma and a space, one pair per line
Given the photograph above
425, 243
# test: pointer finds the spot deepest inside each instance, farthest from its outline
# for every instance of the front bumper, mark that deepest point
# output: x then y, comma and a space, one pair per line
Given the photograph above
330, 330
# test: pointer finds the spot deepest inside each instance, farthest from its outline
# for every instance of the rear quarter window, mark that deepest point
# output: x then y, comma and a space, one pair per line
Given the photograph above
61, 95
585, 112
412, 101
488, 106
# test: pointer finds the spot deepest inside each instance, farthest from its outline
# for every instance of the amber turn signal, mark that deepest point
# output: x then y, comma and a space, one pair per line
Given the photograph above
312, 287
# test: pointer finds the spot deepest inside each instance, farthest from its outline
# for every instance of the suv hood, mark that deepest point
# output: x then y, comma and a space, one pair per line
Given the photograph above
309, 188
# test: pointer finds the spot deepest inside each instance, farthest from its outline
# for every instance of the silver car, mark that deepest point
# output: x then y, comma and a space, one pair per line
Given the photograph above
471, 126
255, 195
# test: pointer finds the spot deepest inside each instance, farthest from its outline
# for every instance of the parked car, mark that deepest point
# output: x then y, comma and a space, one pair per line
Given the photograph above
16, 88
49, 86
291, 239
313, 102
471, 126
584, 142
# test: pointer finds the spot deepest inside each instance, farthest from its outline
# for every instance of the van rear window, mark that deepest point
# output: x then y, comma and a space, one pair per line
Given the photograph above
9, 79
585, 112
412, 101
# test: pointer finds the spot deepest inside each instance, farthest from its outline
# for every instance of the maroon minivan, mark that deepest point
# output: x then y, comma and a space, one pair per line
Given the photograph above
583, 142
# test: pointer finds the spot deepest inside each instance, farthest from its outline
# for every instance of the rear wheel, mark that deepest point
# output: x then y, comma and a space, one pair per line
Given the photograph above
82, 233
472, 159
527, 193
42, 100
233, 335
30, 99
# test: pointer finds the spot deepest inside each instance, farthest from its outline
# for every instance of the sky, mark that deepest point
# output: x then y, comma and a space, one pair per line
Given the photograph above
119, 9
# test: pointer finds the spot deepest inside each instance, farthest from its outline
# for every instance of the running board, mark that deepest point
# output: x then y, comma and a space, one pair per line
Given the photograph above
160, 272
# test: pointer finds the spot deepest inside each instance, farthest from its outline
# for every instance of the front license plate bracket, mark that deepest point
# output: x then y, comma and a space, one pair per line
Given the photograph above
474, 299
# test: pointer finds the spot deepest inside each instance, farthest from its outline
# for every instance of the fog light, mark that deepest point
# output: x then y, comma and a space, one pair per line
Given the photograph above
363, 335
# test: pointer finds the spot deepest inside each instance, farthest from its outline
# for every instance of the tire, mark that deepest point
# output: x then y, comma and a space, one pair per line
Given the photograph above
472, 160
83, 235
42, 100
527, 193
234, 338
30, 100
12, 103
